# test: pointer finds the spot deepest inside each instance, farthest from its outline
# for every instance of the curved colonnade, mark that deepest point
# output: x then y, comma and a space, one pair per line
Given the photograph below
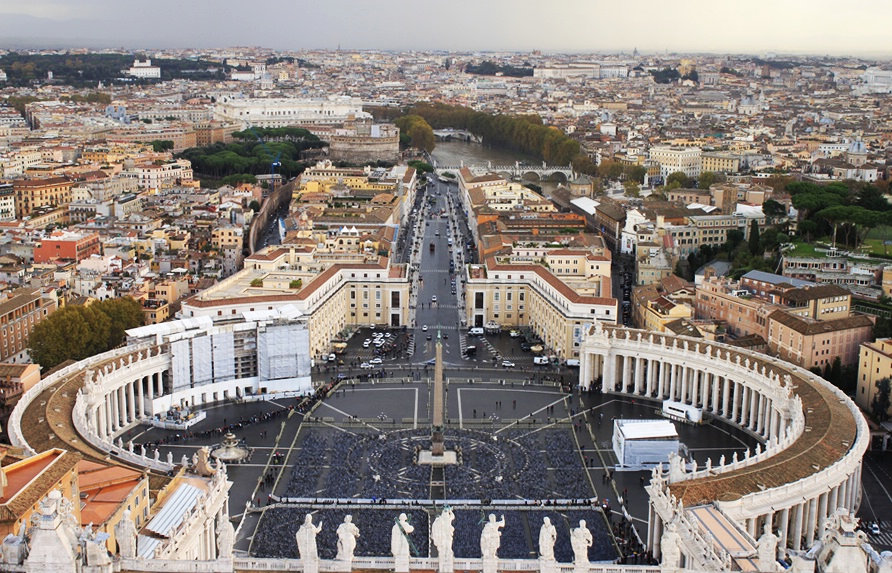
812, 436
116, 390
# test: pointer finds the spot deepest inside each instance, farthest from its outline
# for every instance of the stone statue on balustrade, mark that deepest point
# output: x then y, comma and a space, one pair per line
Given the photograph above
348, 533
670, 546
399, 543
201, 462
306, 544
491, 537
766, 548
580, 541
442, 532
547, 537
225, 536
125, 534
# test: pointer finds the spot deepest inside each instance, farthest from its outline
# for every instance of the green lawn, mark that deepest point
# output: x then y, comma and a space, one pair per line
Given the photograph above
803, 249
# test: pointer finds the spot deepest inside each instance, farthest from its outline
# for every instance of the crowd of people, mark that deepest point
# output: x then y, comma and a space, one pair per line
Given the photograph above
538, 465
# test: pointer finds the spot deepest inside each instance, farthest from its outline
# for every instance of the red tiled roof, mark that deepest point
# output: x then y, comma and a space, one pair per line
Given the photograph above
548, 277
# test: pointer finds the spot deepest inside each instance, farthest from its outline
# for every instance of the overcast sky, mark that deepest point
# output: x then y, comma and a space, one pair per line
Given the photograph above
837, 27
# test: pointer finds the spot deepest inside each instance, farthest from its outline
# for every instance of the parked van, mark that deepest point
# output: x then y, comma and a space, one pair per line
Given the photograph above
573, 362
540, 360
476, 331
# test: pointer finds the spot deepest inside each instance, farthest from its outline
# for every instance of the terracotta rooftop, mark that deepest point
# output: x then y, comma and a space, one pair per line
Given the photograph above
811, 327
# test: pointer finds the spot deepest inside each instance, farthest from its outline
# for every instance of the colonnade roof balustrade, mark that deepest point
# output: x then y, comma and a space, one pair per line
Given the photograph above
831, 428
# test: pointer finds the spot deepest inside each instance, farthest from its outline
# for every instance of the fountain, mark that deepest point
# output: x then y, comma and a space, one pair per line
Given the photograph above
230, 451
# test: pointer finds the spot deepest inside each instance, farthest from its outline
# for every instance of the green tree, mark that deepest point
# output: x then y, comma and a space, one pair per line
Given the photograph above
708, 178
836, 372
734, 238
773, 210
880, 404
159, 145
421, 166
610, 169
254, 206
631, 188
677, 180
754, 238
807, 229
635, 173
419, 131
77, 331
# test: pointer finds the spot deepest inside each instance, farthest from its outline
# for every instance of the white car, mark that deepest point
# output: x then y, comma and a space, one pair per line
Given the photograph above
366, 343
507, 364
434, 298
424, 328
366, 365
376, 361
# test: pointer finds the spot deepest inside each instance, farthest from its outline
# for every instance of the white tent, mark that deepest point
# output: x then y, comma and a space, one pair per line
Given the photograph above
642, 443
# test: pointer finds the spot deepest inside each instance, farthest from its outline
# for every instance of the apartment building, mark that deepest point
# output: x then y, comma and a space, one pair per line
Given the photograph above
7, 202
31, 194
19, 312
719, 162
874, 364
721, 299
158, 176
514, 295
673, 159
67, 245
817, 343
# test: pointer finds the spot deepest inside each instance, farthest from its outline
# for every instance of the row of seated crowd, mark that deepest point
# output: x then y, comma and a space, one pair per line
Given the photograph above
534, 465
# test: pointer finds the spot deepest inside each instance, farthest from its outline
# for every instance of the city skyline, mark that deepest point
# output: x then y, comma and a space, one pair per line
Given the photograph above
692, 26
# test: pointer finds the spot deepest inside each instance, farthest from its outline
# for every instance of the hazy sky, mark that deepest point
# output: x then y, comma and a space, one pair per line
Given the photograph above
754, 26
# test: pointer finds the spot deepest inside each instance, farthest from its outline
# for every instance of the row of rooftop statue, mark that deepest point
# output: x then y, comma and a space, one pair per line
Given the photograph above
442, 532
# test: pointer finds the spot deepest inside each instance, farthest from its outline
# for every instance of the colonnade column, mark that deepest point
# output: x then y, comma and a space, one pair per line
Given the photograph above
822, 507
650, 376
627, 373
114, 410
811, 522
784, 527
695, 388
150, 386
639, 375
734, 402
726, 396
797, 528
715, 381
100, 420
131, 401
140, 400
608, 373
672, 381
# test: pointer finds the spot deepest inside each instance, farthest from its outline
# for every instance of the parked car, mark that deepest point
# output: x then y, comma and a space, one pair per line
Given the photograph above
507, 364
366, 365
376, 361
540, 360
